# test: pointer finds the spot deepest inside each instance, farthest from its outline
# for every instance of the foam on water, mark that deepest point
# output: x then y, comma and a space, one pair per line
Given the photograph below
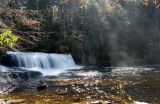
129, 70
3, 68
89, 74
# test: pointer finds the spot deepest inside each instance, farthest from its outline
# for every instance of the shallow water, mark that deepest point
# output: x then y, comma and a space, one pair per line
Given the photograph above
96, 83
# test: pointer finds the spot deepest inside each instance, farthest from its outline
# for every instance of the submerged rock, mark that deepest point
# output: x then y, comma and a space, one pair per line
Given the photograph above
42, 87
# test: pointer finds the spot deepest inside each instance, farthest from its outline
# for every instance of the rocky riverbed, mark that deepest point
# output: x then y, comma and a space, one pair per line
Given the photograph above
89, 86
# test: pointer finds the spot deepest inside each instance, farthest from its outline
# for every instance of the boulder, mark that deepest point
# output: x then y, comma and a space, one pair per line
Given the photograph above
41, 87
19, 80
21, 75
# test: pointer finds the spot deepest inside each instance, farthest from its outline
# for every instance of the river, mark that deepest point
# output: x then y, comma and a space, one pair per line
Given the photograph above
68, 83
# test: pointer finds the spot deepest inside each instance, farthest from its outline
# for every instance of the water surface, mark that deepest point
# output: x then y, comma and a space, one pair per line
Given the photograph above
96, 83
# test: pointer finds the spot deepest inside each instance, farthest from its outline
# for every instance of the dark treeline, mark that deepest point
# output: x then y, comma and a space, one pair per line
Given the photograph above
116, 32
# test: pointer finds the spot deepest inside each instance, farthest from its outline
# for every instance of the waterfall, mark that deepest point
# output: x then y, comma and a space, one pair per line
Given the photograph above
46, 63
3, 68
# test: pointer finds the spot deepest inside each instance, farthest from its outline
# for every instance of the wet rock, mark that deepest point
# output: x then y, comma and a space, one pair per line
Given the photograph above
6, 60
20, 75
18, 80
42, 86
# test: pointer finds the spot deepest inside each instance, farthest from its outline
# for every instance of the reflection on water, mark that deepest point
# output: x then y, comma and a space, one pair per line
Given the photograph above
142, 83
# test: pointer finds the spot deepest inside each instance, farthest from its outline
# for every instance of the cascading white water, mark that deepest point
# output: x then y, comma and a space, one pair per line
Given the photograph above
43, 62
3, 68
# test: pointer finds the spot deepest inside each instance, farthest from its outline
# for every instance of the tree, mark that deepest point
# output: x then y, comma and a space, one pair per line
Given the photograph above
7, 38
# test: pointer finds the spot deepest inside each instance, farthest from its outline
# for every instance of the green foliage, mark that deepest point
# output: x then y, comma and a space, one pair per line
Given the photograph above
7, 38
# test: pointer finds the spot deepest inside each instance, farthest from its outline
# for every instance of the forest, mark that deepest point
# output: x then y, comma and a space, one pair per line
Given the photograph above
112, 32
